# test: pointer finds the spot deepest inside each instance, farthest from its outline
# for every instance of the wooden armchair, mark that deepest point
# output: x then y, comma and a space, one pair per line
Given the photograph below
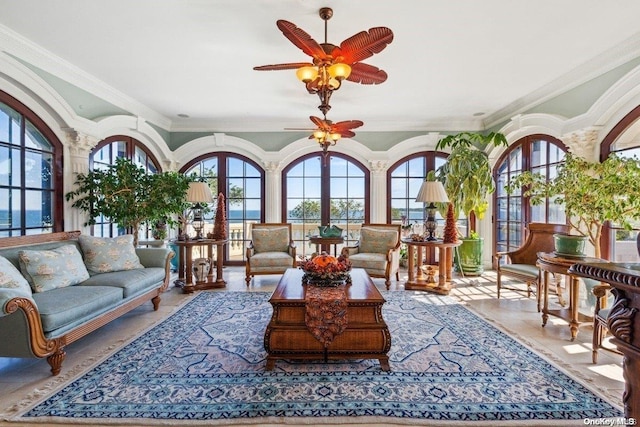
270, 251
377, 251
521, 263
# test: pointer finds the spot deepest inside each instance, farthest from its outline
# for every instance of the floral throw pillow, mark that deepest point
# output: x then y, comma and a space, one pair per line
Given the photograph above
11, 278
103, 254
51, 269
377, 241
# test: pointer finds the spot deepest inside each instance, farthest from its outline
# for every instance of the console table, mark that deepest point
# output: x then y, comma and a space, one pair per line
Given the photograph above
366, 336
185, 267
417, 279
549, 262
623, 321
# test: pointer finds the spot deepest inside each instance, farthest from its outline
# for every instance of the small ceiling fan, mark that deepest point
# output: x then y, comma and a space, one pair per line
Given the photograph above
328, 133
332, 64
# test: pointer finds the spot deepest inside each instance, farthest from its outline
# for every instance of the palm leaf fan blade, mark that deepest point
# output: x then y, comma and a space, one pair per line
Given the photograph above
364, 44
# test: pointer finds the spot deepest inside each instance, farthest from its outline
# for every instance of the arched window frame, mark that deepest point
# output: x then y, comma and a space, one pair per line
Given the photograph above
351, 236
105, 154
237, 237
608, 240
54, 193
512, 235
431, 161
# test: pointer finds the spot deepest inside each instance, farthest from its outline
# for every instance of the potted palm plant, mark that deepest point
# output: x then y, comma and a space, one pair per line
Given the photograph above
129, 196
591, 193
468, 181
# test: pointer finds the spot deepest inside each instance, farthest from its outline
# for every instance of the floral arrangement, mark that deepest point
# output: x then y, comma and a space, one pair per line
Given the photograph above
326, 270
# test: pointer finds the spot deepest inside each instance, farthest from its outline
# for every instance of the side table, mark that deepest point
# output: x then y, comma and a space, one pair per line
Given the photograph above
319, 240
185, 268
417, 279
549, 262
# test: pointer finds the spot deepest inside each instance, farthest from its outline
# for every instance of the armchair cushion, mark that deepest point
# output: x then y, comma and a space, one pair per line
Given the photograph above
521, 269
370, 261
377, 241
275, 239
271, 260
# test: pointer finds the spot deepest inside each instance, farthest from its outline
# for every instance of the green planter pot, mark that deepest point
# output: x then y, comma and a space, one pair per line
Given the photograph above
469, 257
571, 245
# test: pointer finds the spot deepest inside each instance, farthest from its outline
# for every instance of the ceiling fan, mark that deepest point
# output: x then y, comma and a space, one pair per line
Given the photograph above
328, 133
332, 64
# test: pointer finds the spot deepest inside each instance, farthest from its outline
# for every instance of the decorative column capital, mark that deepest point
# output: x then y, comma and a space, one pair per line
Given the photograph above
378, 166
80, 144
583, 143
272, 167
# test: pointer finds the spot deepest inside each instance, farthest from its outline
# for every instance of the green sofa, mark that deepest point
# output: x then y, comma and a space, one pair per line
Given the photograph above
43, 322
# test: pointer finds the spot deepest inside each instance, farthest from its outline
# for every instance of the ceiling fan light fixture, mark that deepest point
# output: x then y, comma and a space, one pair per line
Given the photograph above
335, 137
339, 71
307, 74
319, 135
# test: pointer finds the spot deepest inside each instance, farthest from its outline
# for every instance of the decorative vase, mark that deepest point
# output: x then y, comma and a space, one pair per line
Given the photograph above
201, 268
569, 245
326, 231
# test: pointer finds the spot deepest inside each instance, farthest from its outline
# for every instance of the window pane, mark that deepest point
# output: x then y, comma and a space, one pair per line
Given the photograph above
38, 170
10, 122
34, 139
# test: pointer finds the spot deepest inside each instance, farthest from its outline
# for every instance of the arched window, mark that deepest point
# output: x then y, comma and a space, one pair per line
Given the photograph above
536, 153
105, 154
31, 191
619, 245
404, 179
241, 181
322, 191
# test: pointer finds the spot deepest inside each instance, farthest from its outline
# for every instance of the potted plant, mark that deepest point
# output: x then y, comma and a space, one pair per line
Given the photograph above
129, 196
468, 181
592, 193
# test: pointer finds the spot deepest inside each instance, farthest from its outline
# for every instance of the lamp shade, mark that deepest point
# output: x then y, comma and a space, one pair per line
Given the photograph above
432, 191
199, 192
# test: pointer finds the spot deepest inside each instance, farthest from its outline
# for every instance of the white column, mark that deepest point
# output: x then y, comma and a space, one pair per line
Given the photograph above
273, 192
378, 199
78, 146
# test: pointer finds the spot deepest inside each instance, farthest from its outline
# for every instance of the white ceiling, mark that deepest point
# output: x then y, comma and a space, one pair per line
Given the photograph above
450, 60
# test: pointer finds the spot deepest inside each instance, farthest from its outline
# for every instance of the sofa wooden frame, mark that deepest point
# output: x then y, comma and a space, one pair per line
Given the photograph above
54, 348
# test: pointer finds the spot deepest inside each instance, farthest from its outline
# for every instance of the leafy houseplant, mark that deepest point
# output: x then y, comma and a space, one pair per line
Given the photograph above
127, 195
468, 181
592, 193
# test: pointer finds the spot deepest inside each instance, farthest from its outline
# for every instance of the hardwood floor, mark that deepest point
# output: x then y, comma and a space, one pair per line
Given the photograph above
514, 312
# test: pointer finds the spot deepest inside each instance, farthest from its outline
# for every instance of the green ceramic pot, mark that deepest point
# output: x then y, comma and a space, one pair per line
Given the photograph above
566, 244
469, 255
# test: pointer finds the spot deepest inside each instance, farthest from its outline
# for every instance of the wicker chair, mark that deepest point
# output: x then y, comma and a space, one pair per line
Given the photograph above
271, 250
521, 263
377, 251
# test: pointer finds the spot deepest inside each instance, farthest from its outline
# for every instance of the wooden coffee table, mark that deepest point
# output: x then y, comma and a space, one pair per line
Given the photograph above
366, 336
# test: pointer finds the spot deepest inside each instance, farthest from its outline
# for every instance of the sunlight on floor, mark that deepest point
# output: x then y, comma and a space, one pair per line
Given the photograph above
577, 348
613, 372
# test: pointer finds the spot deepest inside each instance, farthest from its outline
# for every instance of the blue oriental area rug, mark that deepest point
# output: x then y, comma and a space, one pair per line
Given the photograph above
206, 362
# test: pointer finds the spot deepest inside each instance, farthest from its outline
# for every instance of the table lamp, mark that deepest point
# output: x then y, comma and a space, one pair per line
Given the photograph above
200, 194
431, 192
